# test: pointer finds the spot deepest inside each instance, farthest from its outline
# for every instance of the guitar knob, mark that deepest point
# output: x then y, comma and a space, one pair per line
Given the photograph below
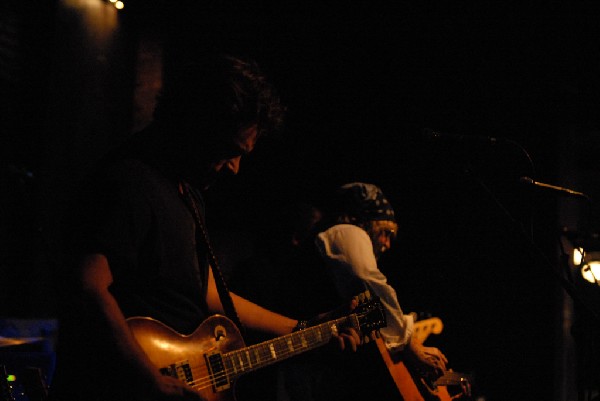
220, 333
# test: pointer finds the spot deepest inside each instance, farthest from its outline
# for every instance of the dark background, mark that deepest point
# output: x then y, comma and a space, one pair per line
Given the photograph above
361, 82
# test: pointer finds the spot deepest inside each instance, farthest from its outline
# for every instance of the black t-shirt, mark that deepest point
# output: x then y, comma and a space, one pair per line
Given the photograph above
132, 213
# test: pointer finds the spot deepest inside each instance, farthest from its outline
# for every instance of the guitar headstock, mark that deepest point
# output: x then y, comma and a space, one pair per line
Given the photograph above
369, 313
423, 328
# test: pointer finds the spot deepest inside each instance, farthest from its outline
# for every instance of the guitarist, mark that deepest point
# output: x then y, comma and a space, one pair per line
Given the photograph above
134, 245
364, 227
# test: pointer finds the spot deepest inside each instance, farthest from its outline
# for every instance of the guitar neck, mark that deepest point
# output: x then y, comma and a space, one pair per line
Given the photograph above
257, 356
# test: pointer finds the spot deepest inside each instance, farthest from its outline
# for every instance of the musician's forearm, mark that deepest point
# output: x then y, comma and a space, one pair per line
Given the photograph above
96, 279
258, 318
252, 316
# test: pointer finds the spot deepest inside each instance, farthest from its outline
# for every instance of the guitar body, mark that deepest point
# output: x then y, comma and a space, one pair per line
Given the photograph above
167, 348
410, 386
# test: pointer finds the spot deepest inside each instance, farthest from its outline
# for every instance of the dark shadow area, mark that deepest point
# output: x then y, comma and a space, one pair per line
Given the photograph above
361, 82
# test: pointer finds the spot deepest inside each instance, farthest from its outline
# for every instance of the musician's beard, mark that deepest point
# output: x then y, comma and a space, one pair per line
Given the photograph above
378, 250
378, 247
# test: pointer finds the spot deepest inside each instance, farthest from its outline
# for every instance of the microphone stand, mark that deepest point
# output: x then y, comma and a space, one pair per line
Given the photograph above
579, 333
567, 285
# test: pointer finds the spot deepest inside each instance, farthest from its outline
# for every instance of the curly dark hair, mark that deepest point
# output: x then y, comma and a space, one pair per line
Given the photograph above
218, 96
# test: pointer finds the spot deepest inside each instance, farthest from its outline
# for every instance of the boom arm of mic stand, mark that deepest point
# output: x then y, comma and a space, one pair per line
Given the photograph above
568, 286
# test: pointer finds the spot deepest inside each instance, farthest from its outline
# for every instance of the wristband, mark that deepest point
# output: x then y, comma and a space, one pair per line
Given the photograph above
301, 325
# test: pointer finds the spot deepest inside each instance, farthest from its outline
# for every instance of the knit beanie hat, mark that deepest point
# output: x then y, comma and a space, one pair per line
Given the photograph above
365, 202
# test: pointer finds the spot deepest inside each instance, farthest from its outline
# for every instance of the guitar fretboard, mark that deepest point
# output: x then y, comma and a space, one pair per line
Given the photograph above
269, 352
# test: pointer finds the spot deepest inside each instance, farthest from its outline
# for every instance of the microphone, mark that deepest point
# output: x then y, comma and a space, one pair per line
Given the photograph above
437, 136
530, 182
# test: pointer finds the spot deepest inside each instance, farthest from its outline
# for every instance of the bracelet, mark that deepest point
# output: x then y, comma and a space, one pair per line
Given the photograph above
301, 325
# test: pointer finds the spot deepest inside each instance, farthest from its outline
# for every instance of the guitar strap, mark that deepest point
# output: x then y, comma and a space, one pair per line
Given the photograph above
191, 200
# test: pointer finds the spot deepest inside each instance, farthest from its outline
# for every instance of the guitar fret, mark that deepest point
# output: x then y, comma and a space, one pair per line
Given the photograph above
283, 346
263, 353
297, 342
256, 355
248, 361
272, 350
240, 361
229, 363
303, 340
318, 335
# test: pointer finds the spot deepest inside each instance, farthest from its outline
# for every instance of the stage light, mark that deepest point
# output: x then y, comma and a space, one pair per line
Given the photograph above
589, 263
119, 5
591, 271
577, 256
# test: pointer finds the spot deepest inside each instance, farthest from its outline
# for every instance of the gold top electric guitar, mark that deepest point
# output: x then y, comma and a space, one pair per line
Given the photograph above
214, 355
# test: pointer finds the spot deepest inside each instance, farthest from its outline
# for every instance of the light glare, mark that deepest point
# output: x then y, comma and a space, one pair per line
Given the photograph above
591, 272
577, 256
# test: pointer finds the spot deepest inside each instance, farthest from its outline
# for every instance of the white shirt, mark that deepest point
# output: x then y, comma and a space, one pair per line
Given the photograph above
348, 250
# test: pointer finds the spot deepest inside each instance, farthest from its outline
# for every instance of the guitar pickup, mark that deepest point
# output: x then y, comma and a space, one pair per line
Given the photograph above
179, 370
216, 367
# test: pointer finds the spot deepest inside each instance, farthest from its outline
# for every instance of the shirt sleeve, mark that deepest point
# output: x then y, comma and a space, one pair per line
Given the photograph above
112, 217
349, 253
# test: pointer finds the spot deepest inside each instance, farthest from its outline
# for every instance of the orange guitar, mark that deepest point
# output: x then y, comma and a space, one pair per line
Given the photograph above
214, 356
410, 384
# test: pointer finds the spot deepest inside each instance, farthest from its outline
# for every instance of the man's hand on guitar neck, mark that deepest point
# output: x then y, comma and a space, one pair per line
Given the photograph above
347, 337
429, 360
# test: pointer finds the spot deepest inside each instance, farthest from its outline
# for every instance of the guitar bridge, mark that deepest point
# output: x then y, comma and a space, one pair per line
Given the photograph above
216, 367
179, 370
